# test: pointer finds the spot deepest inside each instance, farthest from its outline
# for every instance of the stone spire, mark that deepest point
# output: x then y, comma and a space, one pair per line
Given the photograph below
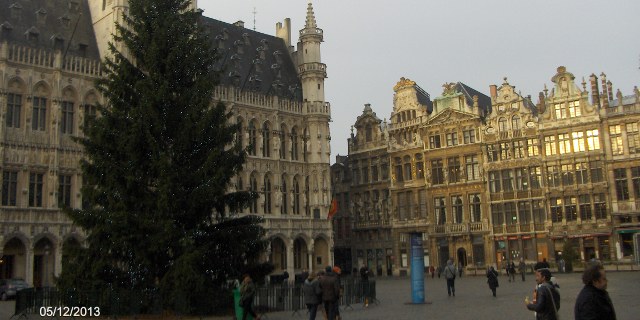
311, 18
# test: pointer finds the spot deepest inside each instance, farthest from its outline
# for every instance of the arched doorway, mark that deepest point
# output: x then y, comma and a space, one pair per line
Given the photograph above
462, 256
13, 261
278, 255
300, 255
320, 254
43, 263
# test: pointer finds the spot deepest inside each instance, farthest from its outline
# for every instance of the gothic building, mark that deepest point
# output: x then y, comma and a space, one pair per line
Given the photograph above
488, 179
50, 55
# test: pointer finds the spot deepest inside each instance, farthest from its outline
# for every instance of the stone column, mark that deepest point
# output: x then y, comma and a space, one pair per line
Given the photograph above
29, 266
290, 268
57, 258
310, 254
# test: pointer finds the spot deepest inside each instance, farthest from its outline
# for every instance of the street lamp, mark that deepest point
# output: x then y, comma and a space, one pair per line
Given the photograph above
46, 265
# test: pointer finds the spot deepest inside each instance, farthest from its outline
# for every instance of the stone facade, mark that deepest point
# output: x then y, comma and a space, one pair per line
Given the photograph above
489, 179
47, 92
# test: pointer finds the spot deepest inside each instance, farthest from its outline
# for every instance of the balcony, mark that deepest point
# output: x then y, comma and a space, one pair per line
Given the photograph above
460, 228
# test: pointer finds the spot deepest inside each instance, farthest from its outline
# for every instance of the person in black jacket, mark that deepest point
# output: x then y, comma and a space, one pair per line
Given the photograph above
593, 301
492, 279
547, 298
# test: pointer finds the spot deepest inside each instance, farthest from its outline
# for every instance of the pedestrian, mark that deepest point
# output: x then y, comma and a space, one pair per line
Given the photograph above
492, 279
450, 275
522, 267
312, 295
247, 292
541, 264
364, 277
439, 271
593, 301
512, 271
336, 306
460, 268
285, 278
330, 292
432, 270
546, 301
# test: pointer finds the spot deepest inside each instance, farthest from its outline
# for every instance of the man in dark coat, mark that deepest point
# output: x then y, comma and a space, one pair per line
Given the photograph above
492, 280
330, 292
547, 298
593, 301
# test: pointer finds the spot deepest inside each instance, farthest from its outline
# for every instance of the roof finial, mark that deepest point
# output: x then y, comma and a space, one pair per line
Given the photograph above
254, 18
311, 18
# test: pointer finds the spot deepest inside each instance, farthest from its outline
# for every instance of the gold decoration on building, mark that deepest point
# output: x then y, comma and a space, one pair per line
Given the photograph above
404, 82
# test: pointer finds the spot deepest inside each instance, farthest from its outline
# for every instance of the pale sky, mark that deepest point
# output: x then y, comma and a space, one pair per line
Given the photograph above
369, 45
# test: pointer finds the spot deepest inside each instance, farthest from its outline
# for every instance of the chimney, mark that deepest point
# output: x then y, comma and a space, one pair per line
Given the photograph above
493, 89
284, 31
595, 92
603, 78
541, 106
610, 90
239, 24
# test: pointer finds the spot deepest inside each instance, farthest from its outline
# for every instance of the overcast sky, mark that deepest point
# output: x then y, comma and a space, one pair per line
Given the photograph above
369, 45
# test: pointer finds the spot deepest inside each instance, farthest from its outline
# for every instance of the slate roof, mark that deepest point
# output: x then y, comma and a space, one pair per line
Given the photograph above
484, 101
626, 100
49, 24
254, 61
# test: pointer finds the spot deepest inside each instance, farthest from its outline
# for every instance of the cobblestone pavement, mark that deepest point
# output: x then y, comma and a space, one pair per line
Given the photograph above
473, 300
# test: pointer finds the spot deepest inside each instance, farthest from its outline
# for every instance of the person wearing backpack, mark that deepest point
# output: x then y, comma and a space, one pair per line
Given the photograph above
450, 275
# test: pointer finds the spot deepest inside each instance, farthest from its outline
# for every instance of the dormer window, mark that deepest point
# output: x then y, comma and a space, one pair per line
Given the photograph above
74, 5
82, 50
265, 44
16, 11
246, 39
278, 55
65, 21
41, 16
32, 34
239, 46
58, 42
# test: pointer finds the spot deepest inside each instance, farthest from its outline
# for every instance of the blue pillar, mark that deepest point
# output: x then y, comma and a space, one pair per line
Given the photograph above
417, 268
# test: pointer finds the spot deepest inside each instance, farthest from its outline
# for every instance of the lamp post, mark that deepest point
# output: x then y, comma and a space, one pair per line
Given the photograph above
46, 265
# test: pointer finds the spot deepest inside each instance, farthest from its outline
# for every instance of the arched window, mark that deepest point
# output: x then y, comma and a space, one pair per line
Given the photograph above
266, 140
457, 208
296, 197
267, 195
502, 124
240, 133
284, 208
283, 141
398, 169
407, 168
515, 122
254, 190
306, 196
294, 144
305, 143
253, 138
476, 216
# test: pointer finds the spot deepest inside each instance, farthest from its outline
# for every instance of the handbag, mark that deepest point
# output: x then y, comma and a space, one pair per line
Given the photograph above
555, 310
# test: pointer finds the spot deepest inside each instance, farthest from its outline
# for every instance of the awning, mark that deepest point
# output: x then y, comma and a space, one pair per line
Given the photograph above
627, 231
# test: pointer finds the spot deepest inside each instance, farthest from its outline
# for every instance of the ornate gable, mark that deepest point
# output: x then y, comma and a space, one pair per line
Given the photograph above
452, 116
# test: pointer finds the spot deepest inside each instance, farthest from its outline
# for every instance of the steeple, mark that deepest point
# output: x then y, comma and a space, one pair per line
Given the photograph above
311, 18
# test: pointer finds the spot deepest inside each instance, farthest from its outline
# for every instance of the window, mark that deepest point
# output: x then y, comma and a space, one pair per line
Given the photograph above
524, 212
403, 206
66, 121
422, 203
507, 180
582, 176
635, 179
38, 118
355, 175
522, 179
9, 187
570, 211
539, 214
452, 139
283, 144
633, 138
550, 145
368, 133
600, 205
296, 197
593, 141
505, 153
267, 195
254, 189
294, 144
553, 176
533, 147
596, 171
453, 164
36, 181
497, 213
574, 109
616, 139
585, 207
564, 143
567, 174
535, 177
492, 153
398, 169
374, 173
408, 174
456, 205
64, 190
14, 107
469, 136
560, 111
434, 142
385, 171
284, 206
440, 210
578, 141
365, 174
437, 173
474, 207
622, 188
502, 125
266, 140
494, 181
510, 215
419, 166
472, 167
91, 111
253, 139
555, 205
518, 149
515, 122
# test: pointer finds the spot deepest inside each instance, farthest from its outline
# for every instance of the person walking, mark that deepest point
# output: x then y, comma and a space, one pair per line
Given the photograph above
492, 279
512, 271
450, 275
460, 268
330, 292
593, 301
312, 295
247, 292
546, 297
364, 277
522, 267
432, 270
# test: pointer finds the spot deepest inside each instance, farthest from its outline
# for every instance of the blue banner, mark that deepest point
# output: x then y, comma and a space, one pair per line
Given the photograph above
417, 269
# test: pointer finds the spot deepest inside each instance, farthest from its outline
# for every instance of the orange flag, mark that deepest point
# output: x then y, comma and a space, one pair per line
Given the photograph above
333, 209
